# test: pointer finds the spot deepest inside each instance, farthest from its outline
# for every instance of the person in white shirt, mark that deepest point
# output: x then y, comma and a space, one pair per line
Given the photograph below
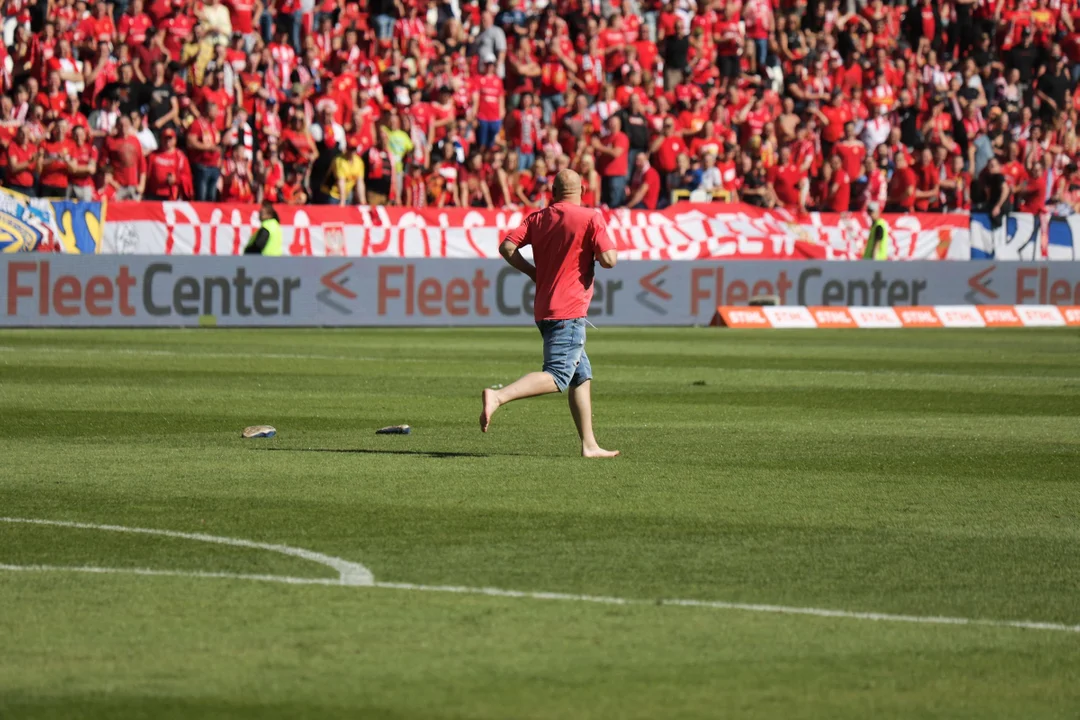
876, 130
326, 118
216, 17
711, 180
144, 134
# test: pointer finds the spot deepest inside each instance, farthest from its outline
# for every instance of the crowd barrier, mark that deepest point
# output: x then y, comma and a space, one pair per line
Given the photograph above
143, 291
685, 231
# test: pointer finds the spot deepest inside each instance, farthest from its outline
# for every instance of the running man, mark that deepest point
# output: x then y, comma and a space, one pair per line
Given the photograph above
566, 239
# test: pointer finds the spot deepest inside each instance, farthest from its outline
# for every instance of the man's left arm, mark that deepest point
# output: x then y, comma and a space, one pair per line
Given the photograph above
511, 251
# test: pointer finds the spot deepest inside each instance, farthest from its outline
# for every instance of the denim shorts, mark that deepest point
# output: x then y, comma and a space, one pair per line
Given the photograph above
564, 352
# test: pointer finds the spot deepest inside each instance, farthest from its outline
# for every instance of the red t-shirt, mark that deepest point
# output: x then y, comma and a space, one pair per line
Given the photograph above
840, 199
133, 28
491, 91
898, 187
177, 31
160, 166
82, 157
54, 171
1016, 173
1035, 196
608, 166
667, 155
21, 155
611, 38
927, 178
852, 154
240, 12
652, 179
787, 184
838, 117
730, 37
56, 102
126, 159
566, 240
206, 133
220, 98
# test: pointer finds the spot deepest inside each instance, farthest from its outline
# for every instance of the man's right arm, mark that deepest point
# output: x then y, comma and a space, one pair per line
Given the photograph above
513, 257
510, 250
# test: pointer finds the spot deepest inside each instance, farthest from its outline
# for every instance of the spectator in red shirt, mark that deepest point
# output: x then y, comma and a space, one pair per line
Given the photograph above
612, 157
1033, 193
645, 185
82, 165
23, 157
101, 27
168, 172
851, 151
666, 148
53, 164
135, 25
214, 92
956, 186
524, 132
790, 184
838, 198
54, 98
928, 182
902, 187
204, 151
488, 106
236, 184
834, 117
729, 33
124, 156
1013, 168
244, 14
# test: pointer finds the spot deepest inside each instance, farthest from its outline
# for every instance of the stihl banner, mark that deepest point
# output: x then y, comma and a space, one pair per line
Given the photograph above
682, 232
60, 290
950, 316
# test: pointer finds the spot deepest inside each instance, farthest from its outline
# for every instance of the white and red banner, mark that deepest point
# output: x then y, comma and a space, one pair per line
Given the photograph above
950, 316
682, 232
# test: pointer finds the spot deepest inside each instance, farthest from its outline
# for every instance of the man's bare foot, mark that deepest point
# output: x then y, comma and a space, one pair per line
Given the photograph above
491, 403
598, 452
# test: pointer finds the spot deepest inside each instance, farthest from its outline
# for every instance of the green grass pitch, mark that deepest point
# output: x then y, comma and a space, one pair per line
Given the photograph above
917, 473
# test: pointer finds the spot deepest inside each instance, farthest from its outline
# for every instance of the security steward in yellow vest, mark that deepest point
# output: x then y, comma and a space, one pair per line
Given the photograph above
268, 239
877, 246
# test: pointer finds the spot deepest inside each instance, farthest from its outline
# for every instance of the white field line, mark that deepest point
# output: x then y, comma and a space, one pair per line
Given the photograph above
355, 575
141, 352
171, 573
350, 573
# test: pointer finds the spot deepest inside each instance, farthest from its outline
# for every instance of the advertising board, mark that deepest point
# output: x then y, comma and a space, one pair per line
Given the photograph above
113, 290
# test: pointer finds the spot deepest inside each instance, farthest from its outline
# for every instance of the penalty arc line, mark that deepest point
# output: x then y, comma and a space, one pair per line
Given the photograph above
355, 575
350, 573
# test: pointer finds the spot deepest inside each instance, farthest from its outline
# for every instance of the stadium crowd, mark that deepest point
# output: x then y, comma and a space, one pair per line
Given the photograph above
805, 104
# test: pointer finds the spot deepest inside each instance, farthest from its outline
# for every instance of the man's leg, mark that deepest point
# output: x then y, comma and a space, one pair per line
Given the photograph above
564, 344
580, 397
533, 384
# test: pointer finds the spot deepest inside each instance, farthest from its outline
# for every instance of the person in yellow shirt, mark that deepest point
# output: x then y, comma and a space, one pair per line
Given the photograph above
346, 178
